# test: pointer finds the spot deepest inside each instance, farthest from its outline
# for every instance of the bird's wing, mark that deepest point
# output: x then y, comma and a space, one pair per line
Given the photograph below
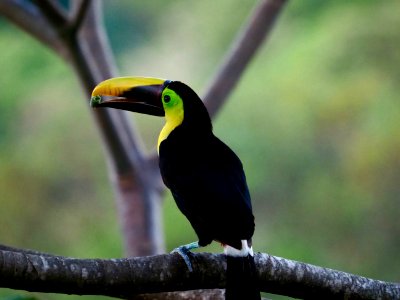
214, 196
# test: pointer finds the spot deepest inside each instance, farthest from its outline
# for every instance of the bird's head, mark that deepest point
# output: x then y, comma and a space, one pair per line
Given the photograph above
159, 97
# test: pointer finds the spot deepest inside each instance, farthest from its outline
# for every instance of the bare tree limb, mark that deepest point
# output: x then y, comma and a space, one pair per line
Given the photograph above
54, 13
30, 19
24, 251
242, 51
79, 11
123, 278
138, 197
203, 294
200, 294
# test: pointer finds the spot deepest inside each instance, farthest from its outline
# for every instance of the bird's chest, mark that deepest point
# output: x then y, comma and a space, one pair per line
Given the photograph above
182, 158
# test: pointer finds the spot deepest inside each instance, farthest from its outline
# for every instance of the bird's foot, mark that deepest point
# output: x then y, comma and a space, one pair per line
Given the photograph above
184, 252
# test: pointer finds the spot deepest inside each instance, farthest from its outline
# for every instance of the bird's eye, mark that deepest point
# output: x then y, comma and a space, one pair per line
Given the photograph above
167, 98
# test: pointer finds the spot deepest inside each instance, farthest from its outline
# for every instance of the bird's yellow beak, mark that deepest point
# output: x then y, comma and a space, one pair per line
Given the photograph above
138, 94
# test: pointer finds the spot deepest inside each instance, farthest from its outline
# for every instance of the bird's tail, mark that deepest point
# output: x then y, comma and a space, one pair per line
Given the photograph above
241, 277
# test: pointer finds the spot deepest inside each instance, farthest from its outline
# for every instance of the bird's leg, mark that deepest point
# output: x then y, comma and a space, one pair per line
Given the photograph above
184, 251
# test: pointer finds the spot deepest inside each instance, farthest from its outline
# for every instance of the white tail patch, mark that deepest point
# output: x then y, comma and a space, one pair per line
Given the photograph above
246, 250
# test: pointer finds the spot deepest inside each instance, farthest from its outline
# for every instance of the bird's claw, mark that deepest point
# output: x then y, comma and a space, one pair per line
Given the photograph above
184, 253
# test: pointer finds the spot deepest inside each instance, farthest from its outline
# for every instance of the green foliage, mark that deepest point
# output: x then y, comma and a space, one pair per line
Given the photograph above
315, 121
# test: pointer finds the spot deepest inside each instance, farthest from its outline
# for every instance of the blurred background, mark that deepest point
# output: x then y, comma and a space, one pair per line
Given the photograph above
315, 121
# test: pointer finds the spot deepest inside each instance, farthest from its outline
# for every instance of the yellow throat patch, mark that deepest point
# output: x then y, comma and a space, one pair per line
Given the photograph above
173, 106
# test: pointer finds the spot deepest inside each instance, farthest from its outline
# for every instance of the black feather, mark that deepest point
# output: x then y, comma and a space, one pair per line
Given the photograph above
208, 183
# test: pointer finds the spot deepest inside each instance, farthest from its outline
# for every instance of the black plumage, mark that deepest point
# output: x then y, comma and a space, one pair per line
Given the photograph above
206, 177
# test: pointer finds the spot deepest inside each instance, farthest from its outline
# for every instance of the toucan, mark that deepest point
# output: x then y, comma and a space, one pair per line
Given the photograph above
205, 176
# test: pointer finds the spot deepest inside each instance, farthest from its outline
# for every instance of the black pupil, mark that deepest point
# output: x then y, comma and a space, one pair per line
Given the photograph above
167, 98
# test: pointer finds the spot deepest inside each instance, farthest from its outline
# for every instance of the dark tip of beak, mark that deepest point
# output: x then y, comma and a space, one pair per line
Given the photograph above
95, 101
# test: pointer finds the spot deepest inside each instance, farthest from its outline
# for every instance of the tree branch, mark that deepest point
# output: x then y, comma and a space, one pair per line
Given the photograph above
203, 294
24, 251
54, 13
123, 278
30, 19
242, 51
138, 199
79, 12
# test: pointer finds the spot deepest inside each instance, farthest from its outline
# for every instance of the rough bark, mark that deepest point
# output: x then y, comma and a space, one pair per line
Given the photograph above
127, 277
